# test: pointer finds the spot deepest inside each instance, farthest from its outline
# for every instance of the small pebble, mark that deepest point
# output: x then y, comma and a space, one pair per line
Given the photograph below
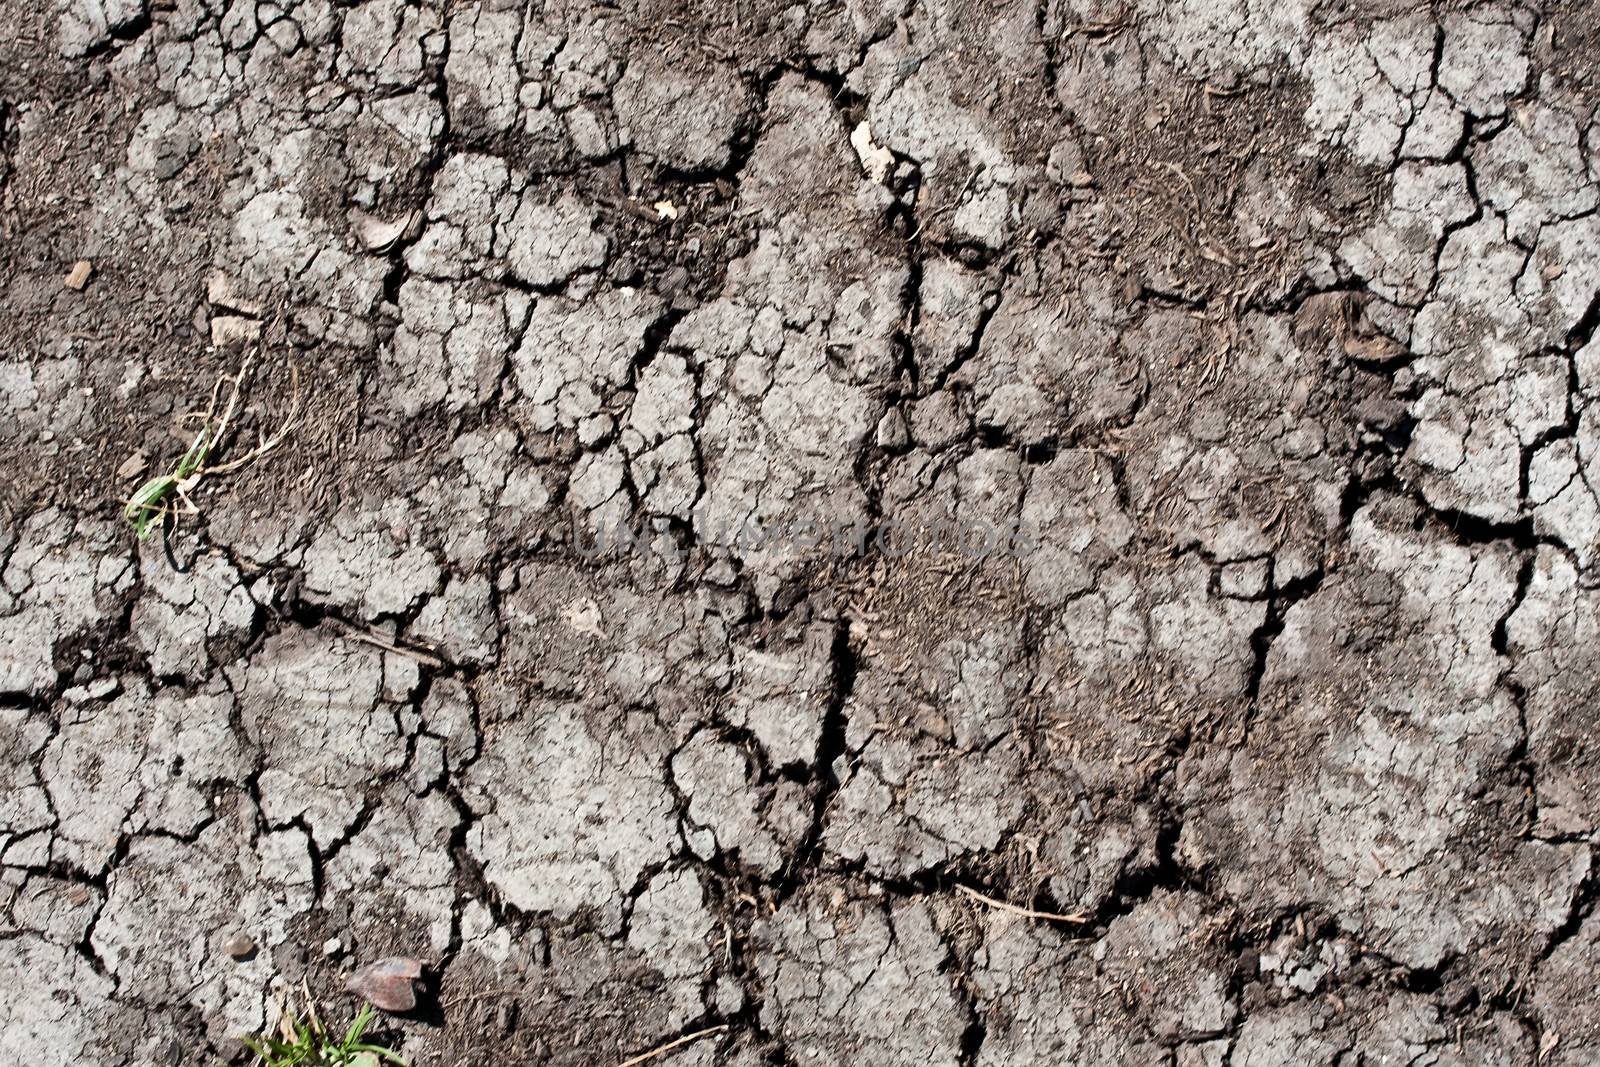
239, 946
332, 947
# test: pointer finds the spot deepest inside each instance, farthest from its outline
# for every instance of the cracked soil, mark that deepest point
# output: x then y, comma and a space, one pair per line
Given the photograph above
1271, 322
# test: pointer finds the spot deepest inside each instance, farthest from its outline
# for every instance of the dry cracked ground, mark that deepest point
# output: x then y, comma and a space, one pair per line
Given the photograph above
1270, 323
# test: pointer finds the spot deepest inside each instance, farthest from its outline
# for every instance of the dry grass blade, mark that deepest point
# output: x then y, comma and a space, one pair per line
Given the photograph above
367, 637
662, 1050
1026, 913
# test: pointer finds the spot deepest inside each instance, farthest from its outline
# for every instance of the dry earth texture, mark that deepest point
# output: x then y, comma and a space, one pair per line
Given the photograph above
1272, 320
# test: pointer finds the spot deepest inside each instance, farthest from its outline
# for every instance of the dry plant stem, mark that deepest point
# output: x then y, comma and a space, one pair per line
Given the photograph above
1026, 913
645, 1057
311, 1005
235, 382
389, 646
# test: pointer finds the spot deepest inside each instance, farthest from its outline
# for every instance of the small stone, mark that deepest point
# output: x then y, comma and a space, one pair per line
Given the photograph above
893, 433
332, 947
875, 159
78, 276
239, 946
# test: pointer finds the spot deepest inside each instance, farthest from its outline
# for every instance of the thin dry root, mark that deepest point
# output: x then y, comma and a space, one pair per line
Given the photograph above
266, 444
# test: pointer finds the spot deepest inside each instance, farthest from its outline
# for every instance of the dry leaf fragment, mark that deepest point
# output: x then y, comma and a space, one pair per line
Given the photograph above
78, 276
133, 466
378, 234
389, 984
1377, 349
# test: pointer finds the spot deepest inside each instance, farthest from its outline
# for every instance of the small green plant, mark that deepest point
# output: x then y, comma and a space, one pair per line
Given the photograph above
168, 494
151, 502
307, 1043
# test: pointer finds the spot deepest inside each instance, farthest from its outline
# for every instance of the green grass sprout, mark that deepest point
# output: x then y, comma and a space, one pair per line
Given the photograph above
307, 1043
168, 494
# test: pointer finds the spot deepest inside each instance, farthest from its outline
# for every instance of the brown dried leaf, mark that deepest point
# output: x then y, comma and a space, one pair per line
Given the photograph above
389, 984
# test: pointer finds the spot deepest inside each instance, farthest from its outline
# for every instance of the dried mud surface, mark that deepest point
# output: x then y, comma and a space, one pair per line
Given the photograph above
1273, 321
